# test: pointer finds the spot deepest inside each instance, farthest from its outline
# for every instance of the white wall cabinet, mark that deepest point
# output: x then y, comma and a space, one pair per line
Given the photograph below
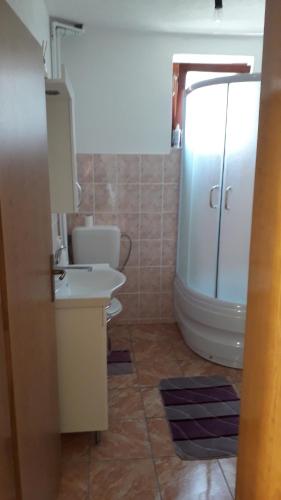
64, 188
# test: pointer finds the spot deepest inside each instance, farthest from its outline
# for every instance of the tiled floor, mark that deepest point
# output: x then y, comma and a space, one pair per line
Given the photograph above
136, 458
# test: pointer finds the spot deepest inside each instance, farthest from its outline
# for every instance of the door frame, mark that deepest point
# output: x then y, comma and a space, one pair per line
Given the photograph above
259, 457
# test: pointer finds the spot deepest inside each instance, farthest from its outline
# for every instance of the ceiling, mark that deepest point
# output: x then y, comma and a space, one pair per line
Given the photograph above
173, 16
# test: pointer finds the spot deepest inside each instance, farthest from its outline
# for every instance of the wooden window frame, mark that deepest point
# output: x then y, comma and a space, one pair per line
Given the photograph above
179, 77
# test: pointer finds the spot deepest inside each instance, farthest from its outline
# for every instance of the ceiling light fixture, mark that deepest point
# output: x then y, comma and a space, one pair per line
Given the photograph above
218, 4
218, 11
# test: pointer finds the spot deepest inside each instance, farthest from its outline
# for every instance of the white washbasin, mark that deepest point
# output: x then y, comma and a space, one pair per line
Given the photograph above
102, 281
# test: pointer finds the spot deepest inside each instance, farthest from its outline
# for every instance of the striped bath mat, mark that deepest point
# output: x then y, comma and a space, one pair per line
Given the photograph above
203, 414
119, 363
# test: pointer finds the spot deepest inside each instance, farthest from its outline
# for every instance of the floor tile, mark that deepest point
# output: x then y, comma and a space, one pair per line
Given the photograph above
145, 350
196, 365
122, 381
125, 404
160, 438
74, 483
123, 480
121, 344
120, 337
180, 350
151, 372
191, 480
238, 388
155, 331
76, 446
171, 330
153, 406
124, 439
138, 441
228, 466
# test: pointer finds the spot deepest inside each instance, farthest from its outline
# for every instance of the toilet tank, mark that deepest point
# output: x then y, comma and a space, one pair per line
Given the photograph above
96, 245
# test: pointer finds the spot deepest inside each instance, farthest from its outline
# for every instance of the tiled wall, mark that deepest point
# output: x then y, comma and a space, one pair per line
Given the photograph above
139, 194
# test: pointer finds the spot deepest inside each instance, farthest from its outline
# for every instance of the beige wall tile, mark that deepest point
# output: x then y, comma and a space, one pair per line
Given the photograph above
87, 198
149, 279
130, 224
132, 283
150, 227
169, 249
151, 168
128, 169
128, 198
167, 305
150, 305
151, 198
85, 168
106, 219
171, 198
172, 166
130, 303
170, 226
74, 220
140, 195
105, 197
150, 252
167, 278
105, 168
135, 253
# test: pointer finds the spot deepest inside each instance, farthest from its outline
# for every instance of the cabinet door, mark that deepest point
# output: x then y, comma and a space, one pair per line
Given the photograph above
202, 173
64, 189
26, 229
238, 185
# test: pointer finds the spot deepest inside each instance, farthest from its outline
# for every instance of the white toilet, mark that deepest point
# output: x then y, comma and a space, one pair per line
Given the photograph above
98, 245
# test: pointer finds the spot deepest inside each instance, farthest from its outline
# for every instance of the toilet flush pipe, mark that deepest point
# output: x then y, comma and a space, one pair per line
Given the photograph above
127, 237
58, 30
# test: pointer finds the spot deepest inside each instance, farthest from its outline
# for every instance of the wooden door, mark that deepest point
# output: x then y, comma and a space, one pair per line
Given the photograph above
7, 441
259, 461
26, 228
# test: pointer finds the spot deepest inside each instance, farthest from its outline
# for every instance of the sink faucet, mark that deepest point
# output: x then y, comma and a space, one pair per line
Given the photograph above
58, 254
70, 267
59, 272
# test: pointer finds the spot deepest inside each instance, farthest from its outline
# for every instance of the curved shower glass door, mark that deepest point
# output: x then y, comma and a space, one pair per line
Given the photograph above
238, 187
221, 122
215, 216
201, 187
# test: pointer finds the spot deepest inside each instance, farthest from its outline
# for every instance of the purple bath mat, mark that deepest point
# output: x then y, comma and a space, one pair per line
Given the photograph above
203, 414
119, 363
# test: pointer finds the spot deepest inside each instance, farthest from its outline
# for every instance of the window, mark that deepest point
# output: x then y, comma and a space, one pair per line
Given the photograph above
186, 73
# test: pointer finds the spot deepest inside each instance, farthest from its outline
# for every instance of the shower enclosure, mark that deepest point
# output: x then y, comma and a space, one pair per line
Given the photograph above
217, 181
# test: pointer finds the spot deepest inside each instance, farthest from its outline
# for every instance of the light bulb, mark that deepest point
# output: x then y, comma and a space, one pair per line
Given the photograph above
218, 15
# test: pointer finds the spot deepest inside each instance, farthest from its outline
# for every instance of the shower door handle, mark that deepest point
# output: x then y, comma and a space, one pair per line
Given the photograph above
79, 192
226, 196
211, 203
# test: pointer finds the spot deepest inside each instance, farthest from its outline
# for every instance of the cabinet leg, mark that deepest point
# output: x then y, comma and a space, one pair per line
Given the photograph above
109, 329
109, 344
97, 437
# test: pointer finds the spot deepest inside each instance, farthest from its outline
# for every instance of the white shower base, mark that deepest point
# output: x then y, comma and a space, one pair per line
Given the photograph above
212, 328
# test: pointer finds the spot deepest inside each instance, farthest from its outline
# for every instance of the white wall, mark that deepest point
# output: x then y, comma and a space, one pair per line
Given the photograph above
122, 83
34, 14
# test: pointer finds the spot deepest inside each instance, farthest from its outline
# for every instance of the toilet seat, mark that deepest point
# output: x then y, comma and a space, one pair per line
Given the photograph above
114, 308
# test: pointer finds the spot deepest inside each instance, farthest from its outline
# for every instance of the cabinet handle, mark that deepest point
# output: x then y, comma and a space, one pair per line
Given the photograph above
79, 189
226, 198
213, 188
